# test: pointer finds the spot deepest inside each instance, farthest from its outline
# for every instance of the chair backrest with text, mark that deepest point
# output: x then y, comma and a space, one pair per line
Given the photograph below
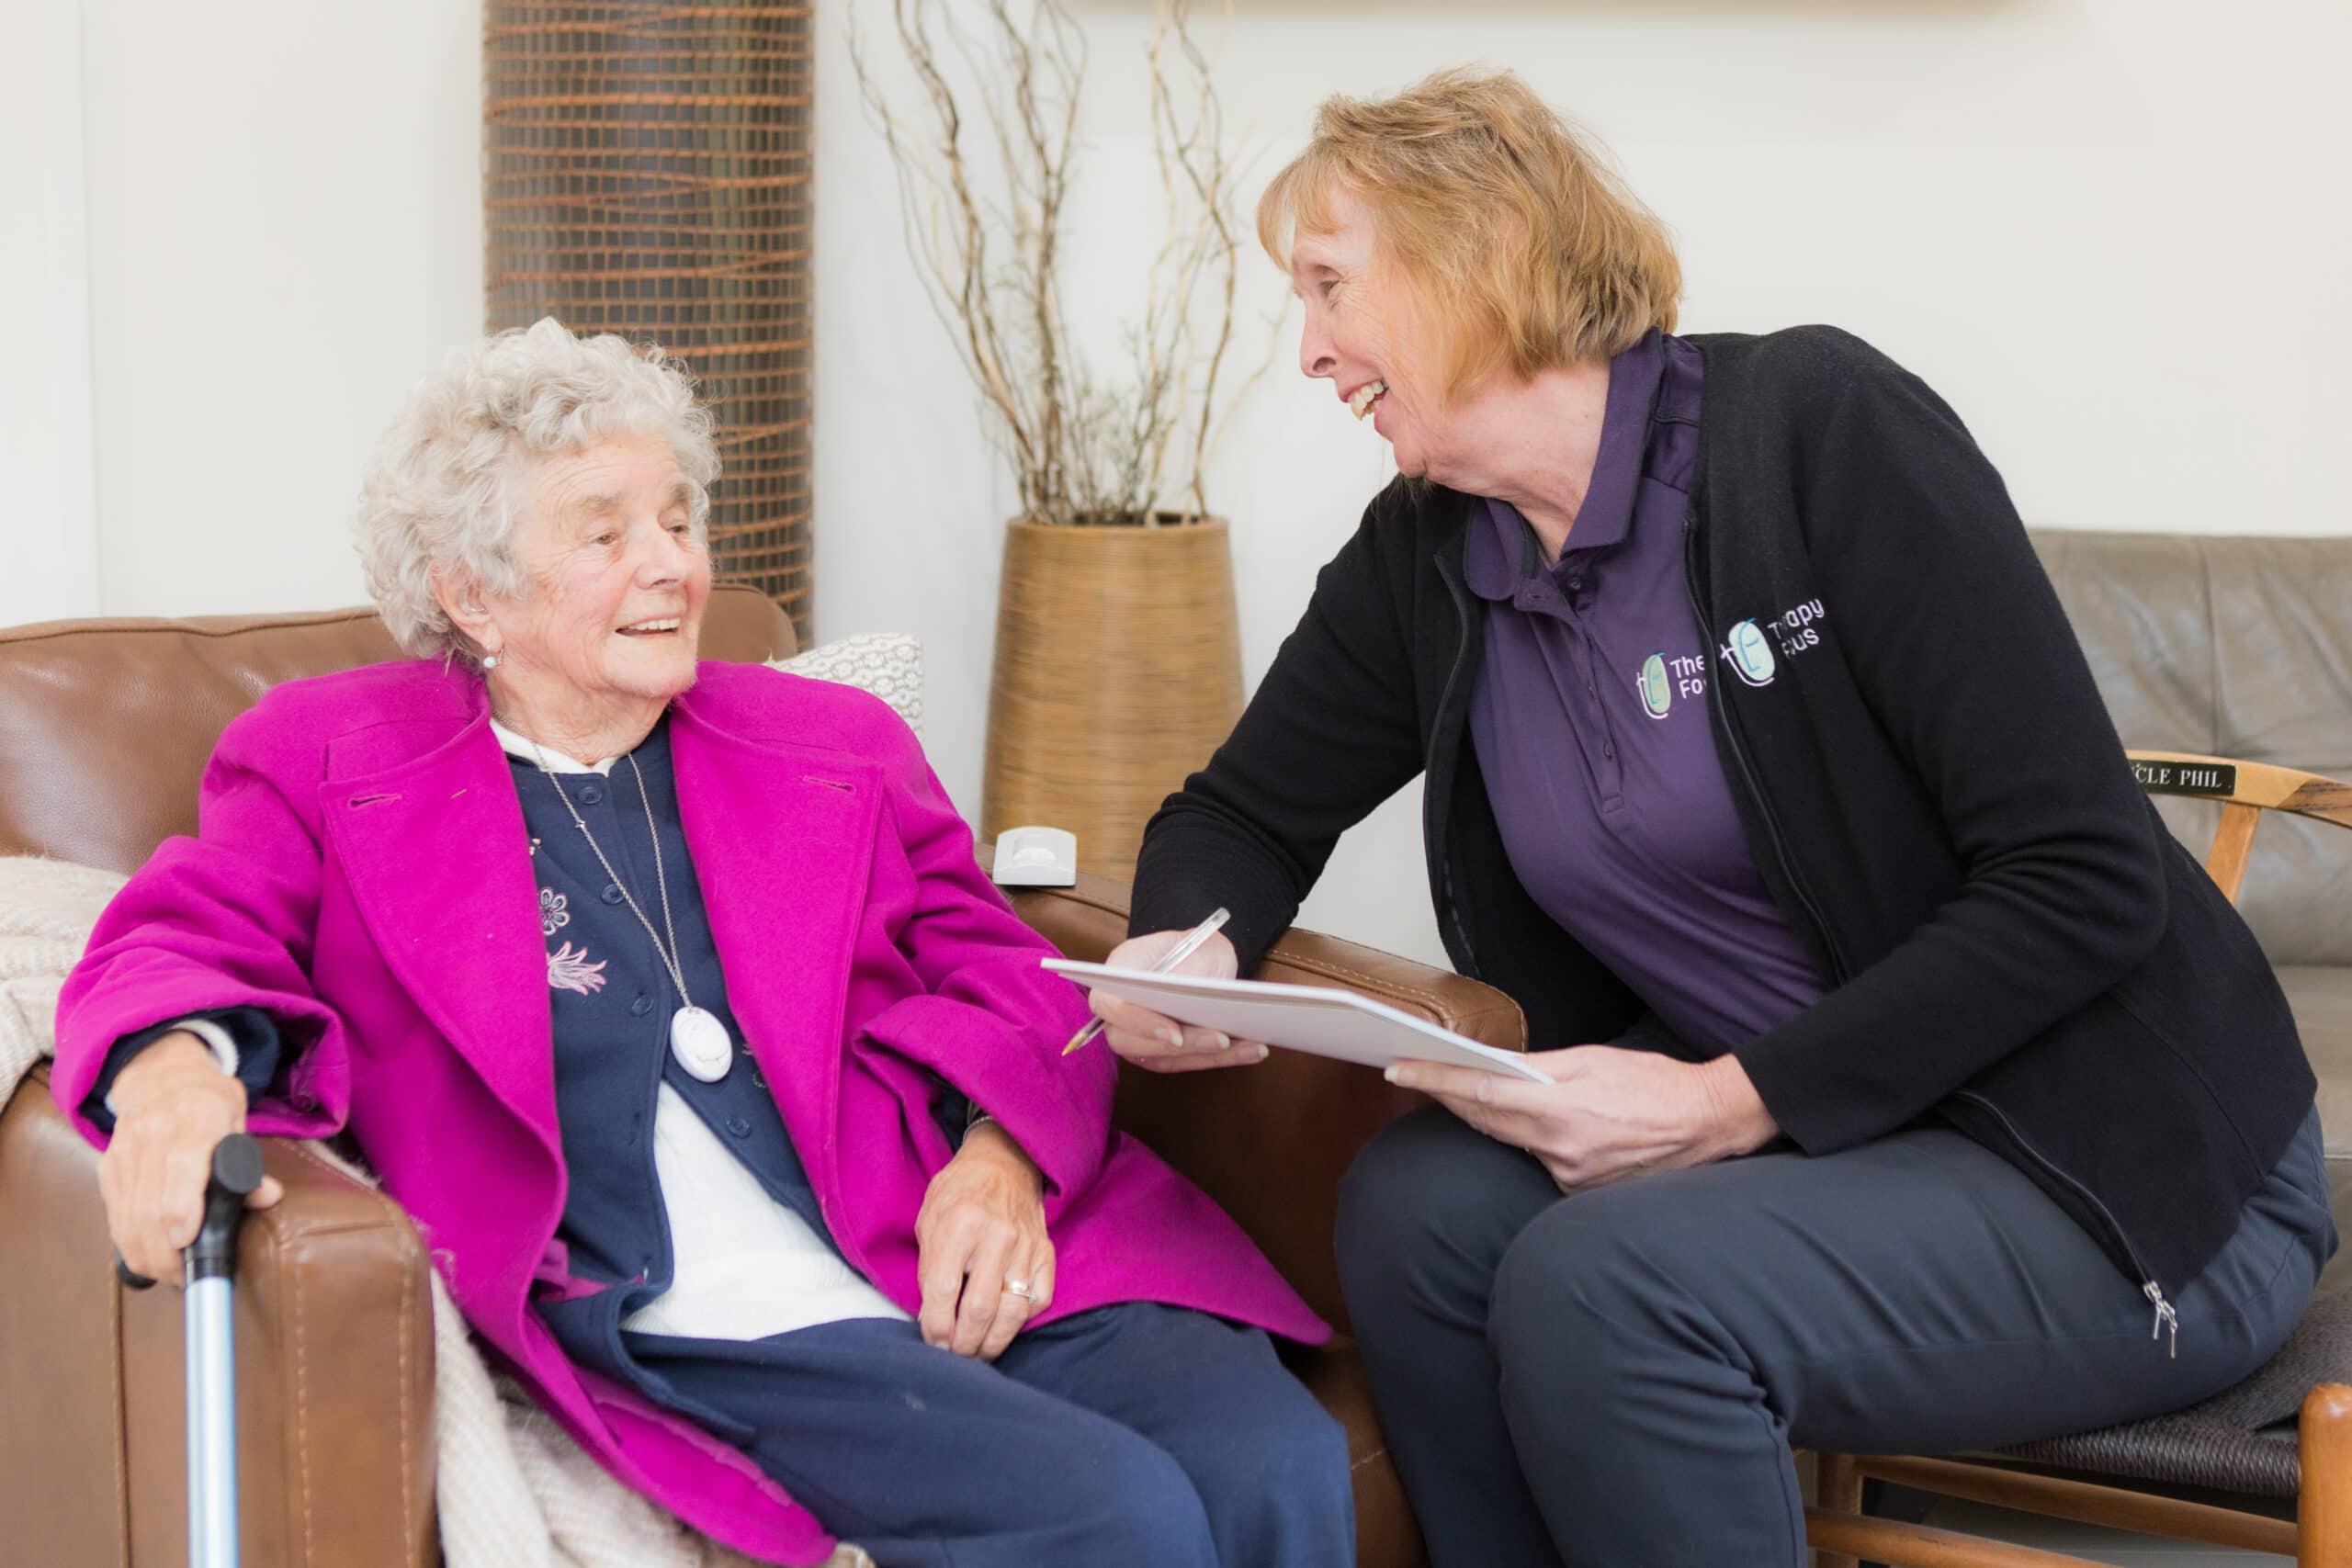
2244, 791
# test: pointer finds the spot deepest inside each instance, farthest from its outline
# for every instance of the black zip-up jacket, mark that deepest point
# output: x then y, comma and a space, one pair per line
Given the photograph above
1929, 782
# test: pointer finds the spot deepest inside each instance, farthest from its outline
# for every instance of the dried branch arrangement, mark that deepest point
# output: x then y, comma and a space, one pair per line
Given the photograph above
984, 160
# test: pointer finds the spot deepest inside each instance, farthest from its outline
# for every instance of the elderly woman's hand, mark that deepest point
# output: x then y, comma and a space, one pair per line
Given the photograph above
173, 1105
1607, 1113
981, 1241
1162, 1045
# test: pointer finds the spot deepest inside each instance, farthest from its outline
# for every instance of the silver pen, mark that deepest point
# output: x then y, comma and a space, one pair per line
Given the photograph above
1175, 955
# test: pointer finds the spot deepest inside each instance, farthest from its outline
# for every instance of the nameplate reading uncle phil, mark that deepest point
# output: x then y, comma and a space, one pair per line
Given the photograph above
2188, 778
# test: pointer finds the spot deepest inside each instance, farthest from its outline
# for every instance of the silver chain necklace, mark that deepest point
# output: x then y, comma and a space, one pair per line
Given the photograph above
697, 1039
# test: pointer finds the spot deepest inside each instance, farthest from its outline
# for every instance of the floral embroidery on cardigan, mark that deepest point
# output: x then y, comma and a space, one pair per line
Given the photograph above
568, 970
552, 915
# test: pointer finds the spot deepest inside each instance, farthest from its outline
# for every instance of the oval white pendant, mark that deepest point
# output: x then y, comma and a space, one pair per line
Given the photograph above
699, 1042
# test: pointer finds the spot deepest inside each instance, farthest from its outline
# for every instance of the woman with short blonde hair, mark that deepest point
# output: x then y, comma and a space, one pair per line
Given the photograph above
1516, 246
1911, 1090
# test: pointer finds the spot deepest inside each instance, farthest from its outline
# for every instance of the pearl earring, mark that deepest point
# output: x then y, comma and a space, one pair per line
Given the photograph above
490, 662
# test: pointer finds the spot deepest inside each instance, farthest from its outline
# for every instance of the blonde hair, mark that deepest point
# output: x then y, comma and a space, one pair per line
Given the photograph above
439, 494
1520, 248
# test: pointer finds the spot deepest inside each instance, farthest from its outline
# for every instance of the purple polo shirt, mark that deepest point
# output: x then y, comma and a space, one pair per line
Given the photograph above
1590, 718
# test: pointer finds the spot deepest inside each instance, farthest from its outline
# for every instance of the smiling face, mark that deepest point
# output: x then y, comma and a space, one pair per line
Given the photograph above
1357, 318
618, 582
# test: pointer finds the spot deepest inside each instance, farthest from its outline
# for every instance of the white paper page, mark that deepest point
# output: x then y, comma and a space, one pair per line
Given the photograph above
1338, 1024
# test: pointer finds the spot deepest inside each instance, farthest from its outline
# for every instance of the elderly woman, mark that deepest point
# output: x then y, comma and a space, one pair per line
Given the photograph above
1911, 1089
760, 1165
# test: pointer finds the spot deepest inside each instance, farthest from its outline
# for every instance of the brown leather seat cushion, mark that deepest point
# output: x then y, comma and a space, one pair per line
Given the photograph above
104, 725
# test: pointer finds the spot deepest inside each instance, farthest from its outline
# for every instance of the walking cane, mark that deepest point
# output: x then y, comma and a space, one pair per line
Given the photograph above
213, 1354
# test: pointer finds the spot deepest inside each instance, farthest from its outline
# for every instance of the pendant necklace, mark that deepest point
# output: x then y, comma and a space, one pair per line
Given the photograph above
697, 1039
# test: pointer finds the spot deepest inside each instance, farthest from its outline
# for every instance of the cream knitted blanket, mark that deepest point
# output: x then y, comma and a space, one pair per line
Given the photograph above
514, 1490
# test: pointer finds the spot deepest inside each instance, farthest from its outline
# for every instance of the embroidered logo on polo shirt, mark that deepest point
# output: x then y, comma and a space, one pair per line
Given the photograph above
1662, 679
1657, 695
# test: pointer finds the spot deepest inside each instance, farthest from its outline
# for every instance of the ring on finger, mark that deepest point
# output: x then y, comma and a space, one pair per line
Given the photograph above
1018, 1288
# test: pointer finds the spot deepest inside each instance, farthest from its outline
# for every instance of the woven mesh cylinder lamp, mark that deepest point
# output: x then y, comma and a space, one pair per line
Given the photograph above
646, 173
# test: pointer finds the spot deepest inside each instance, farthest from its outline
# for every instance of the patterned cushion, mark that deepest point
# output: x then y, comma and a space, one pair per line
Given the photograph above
888, 664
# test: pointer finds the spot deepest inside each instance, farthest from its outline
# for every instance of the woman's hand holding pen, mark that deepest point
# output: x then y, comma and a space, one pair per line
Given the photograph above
1162, 1045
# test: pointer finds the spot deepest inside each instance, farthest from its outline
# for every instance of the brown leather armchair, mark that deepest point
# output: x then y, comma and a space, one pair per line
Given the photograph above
104, 729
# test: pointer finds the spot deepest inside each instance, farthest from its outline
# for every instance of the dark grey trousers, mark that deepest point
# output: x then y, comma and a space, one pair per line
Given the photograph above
1616, 1378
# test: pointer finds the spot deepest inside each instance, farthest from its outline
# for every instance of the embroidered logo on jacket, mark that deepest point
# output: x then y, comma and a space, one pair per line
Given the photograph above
1749, 654
1755, 649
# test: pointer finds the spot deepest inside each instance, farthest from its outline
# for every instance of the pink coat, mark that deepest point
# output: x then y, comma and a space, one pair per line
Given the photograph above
362, 871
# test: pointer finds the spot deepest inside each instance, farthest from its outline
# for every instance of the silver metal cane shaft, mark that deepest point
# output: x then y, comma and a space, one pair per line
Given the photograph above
212, 1355
211, 1426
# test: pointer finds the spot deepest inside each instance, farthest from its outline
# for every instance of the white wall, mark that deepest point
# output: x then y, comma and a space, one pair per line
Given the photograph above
267, 224
2111, 231
49, 555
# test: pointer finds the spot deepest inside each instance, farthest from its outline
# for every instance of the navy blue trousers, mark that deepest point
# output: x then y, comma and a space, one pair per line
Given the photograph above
1130, 1437
1616, 1378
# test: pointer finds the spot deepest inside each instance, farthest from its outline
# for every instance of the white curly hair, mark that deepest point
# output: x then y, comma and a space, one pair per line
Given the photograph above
445, 488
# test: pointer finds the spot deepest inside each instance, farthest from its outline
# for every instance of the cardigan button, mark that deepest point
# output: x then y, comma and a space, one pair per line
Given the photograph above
740, 1125
612, 893
643, 1005
592, 795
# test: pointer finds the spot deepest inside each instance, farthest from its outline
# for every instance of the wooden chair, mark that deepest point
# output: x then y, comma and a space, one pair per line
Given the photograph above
2222, 1447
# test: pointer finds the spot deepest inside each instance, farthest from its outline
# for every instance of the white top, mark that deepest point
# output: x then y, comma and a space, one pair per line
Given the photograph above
744, 1266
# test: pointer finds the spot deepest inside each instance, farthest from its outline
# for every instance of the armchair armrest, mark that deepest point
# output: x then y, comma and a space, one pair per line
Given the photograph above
1269, 1143
334, 1370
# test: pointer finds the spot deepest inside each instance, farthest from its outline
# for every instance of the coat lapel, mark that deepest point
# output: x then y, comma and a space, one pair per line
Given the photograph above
437, 858
436, 852
783, 841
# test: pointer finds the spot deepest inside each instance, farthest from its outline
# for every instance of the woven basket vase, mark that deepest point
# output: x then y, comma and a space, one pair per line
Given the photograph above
1118, 671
